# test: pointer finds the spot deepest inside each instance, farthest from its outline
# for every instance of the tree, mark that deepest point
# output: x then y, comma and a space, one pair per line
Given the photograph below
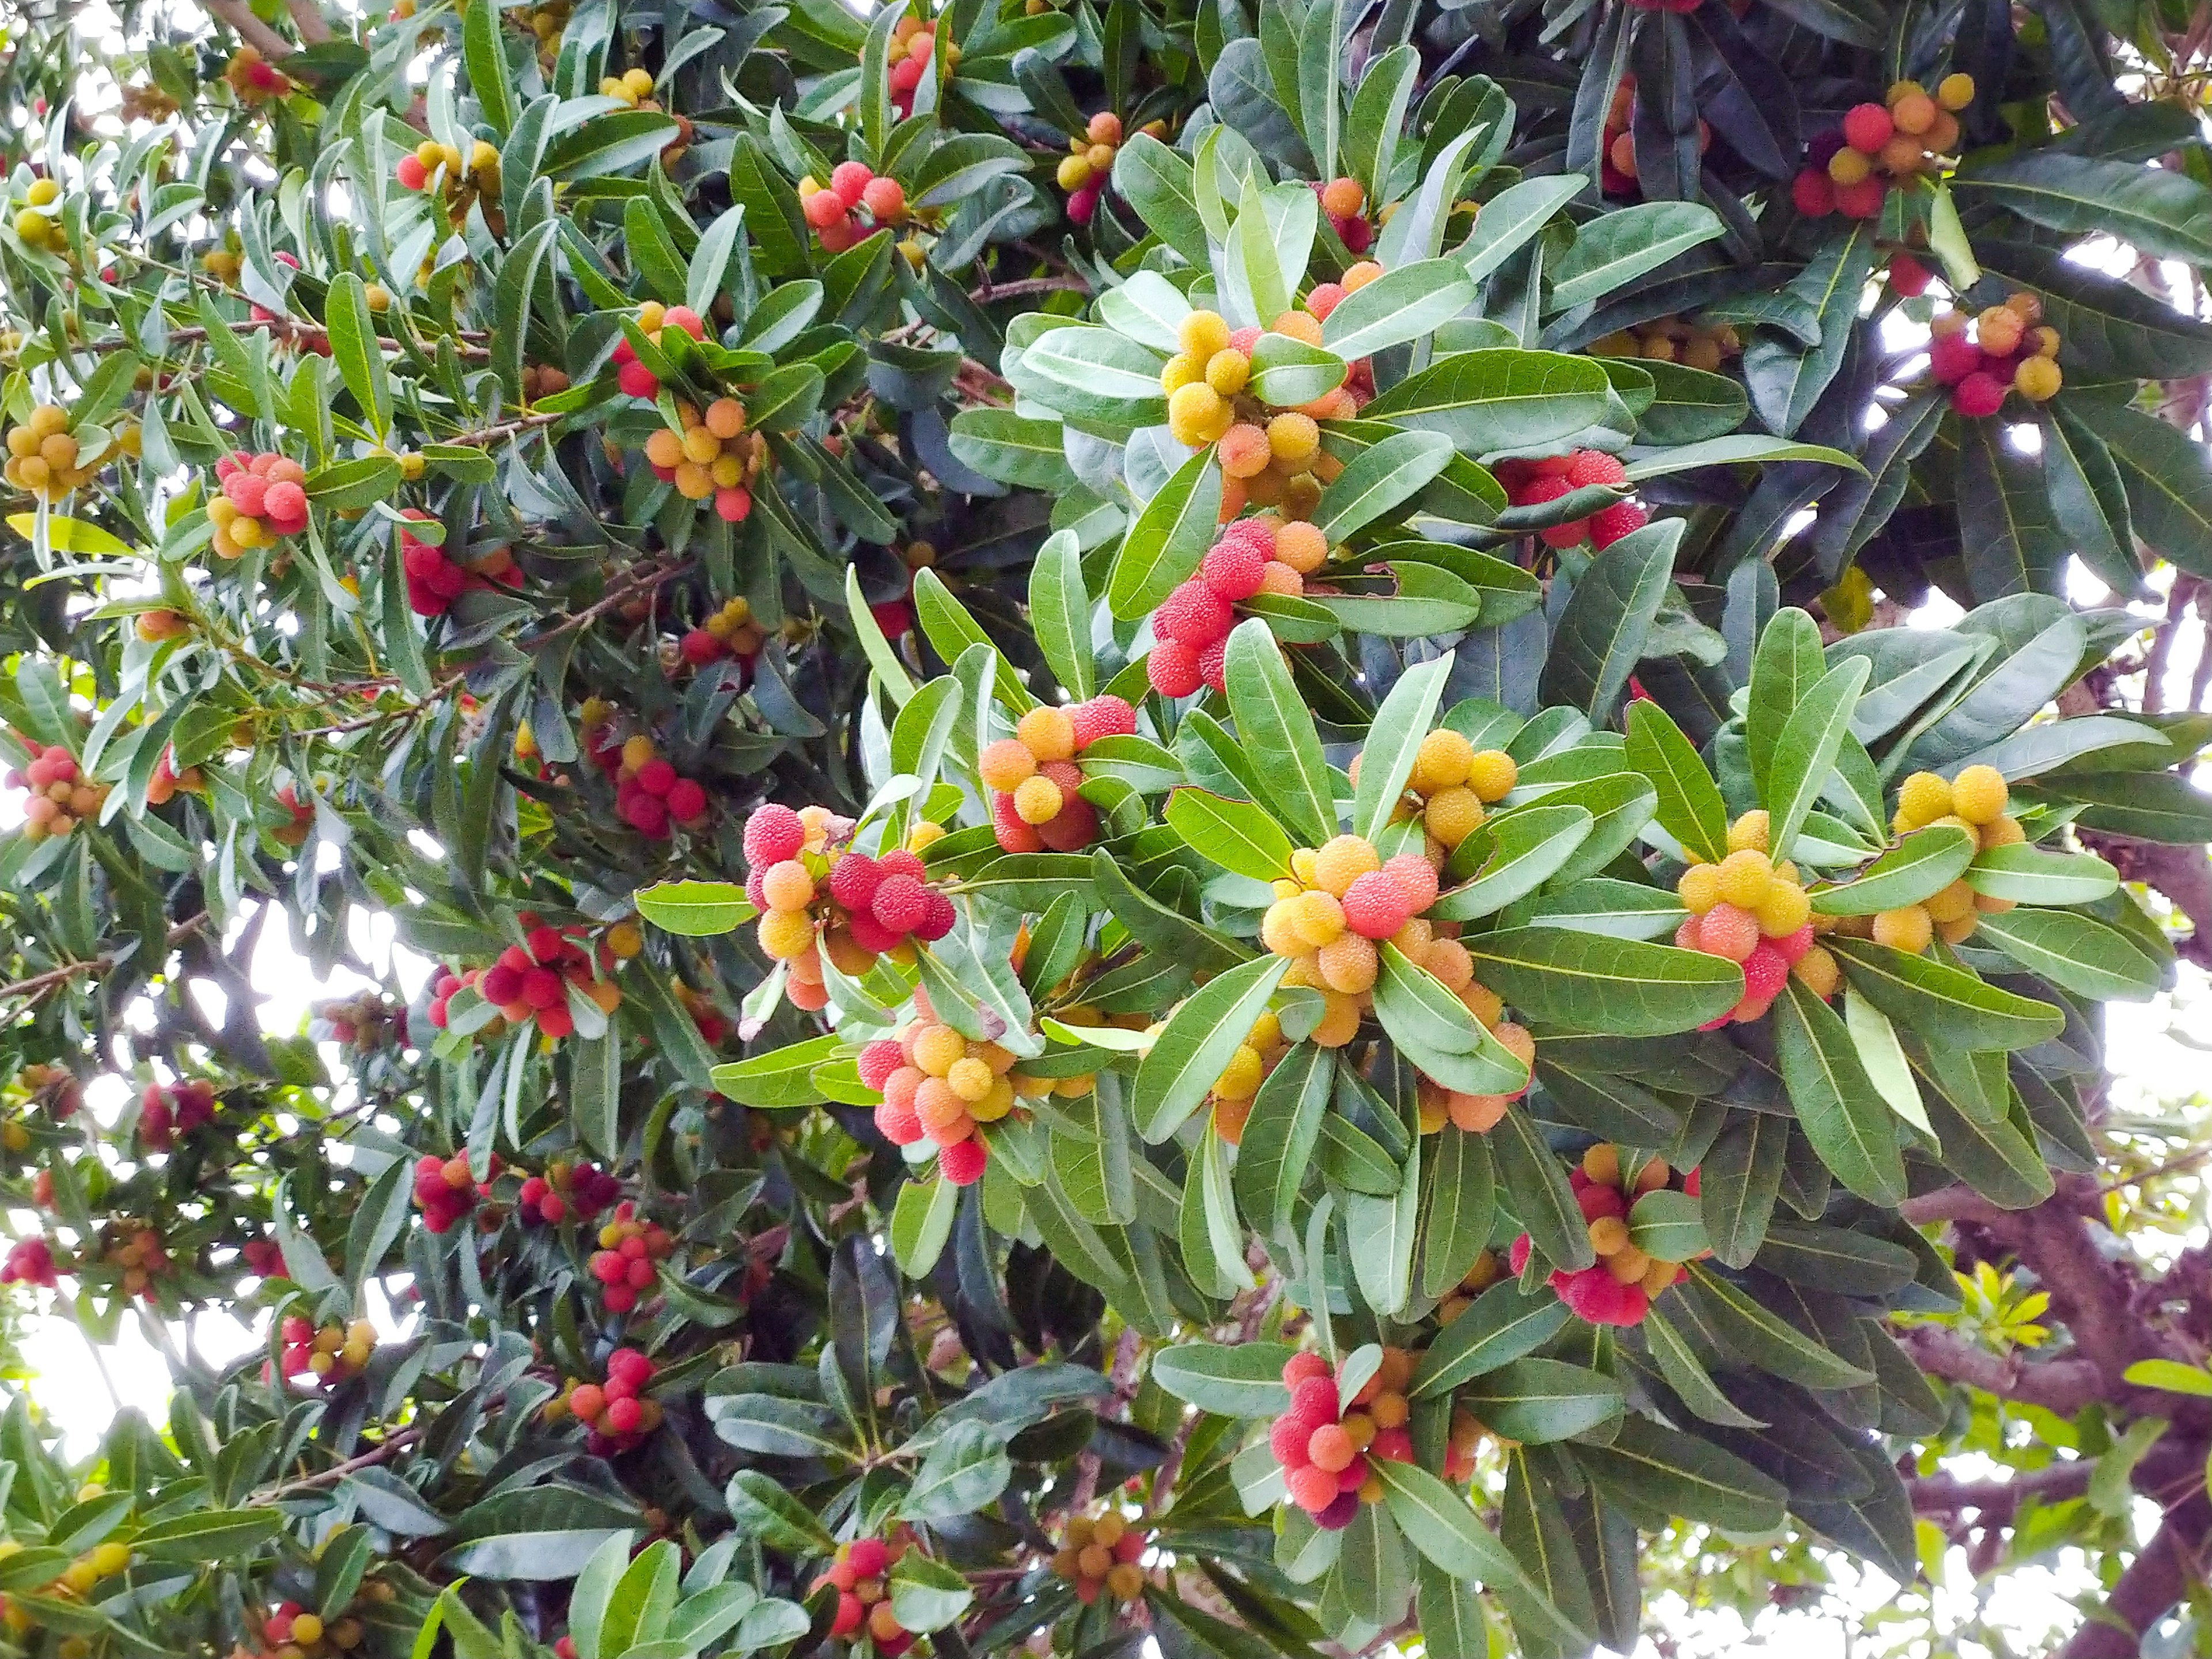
1190, 871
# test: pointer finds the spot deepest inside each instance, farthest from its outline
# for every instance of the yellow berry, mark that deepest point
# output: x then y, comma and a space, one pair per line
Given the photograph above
1452, 815
1047, 733
1492, 773
1979, 795
1748, 833
1956, 91
1744, 878
1197, 415
1444, 761
784, 934
1342, 861
1037, 800
1783, 910
1699, 888
1241, 1077
1922, 798
1203, 333
1228, 370
1907, 929
1180, 371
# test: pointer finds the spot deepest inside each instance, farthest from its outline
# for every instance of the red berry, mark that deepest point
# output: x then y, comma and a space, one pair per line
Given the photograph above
1907, 276
1314, 1399
1765, 972
1172, 668
849, 180
1213, 663
773, 833
1103, 716
1014, 835
1814, 193
1977, 395
1232, 569
1541, 488
1595, 466
871, 1557
1375, 906
1953, 357
1793, 947
1609, 524
1301, 1365
1861, 201
900, 1125
686, 800
1194, 614
1866, 128
899, 903
878, 1061
963, 1164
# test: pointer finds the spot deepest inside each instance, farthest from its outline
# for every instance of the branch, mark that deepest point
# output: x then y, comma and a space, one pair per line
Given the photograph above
2182, 873
239, 17
38, 984
337, 1472
1996, 1501
2157, 1578
2062, 1386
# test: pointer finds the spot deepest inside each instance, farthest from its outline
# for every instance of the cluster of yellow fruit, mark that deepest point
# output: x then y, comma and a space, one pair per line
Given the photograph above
465, 178
1489, 1268
1450, 785
1101, 1554
78, 1578
144, 101
1269, 455
45, 458
634, 88
327, 1354
712, 456
35, 225
223, 263
1974, 800
1241, 1078
1340, 903
1753, 912
1672, 339
546, 24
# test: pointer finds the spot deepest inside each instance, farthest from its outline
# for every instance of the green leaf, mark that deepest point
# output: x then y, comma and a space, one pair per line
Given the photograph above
1437, 1032
1401, 305
206, 1535
1535, 1401
2077, 953
1667, 1225
1918, 867
2010, 539
2170, 1376
1525, 848
1287, 371
2163, 212
1170, 537
1272, 720
1097, 374
1804, 752
1245, 1380
1510, 219
2030, 875
695, 909
1501, 1325
1234, 834
762, 1510
1380, 478
1059, 613
1850, 1125
1442, 1526
1682, 1474
353, 337
1734, 451
1537, 1189
1197, 1042
2111, 1491
921, 1221
1949, 1003
951, 630
1487, 401
1678, 1364
1590, 983
1767, 1339
1600, 634
927, 1595
1460, 1211
1014, 449
487, 63
1616, 247
1280, 1136
965, 1470
1394, 738
1690, 807
1738, 1183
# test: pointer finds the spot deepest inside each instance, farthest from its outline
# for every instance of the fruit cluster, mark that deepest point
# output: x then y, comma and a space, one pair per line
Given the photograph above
1264, 450
2006, 348
45, 458
1099, 1555
263, 498
144, 101
61, 796
445, 1191
435, 581
1487, 1270
1438, 1104
301, 814
34, 226
649, 794
1339, 903
1233, 1090
729, 631
1852, 167
913, 41
1616, 1289
1084, 172
254, 79
465, 177
542, 381
1266, 554
263, 1257
1754, 912
1344, 205
632, 86
1033, 775
712, 456
633, 377
1533, 483
858, 1573
1461, 1442
168, 1110
101, 1561
1451, 783
583, 1191
329, 1353
295, 1633
833, 209
166, 782
1327, 1447
54, 1087
940, 1086
1974, 800
630, 1249
30, 1261
531, 982
815, 891
1616, 147
1672, 339
364, 1018
136, 1254
614, 1412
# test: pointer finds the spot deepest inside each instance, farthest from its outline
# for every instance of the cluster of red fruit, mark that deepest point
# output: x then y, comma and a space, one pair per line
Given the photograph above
329, 1354
634, 379
30, 1261
914, 40
529, 982
434, 582
445, 1191
1344, 203
264, 1258
1853, 167
1327, 1447
1033, 776
938, 1084
833, 208
1099, 1555
254, 79
61, 796
649, 794
1616, 1289
138, 1255
614, 1412
1617, 168
629, 1250
584, 1192
810, 885
1532, 483
263, 498
293, 1632
1334, 910
1754, 912
165, 1111
729, 631
1267, 554
857, 1573
1084, 172
2009, 349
